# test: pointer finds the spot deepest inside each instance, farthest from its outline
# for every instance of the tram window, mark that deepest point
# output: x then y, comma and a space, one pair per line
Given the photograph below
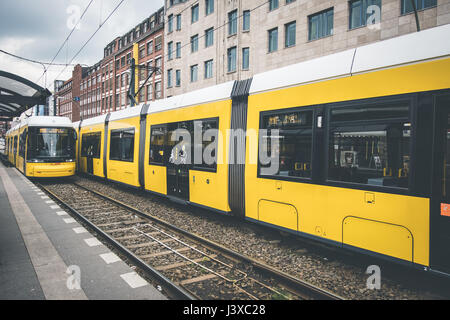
22, 140
90, 145
157, 144
371, 146
15, 144
209, 131
55, 143
122, 145
295, 142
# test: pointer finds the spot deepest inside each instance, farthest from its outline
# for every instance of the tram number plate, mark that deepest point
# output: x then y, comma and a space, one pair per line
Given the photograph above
445, 209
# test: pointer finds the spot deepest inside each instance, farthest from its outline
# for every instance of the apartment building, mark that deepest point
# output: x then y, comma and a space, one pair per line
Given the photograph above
103, 87
214, 41
64, 99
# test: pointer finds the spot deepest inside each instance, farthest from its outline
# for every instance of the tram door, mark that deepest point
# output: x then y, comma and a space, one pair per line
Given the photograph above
440, 202
178, 164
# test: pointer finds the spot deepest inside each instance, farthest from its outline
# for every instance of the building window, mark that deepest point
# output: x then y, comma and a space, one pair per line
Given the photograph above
194, 13
169, 78
178, 78
209, 7
170, 23
208, 69
246, 20
142, 52
194, 43
232, 22
178, 22
158, 94
194, 73
407, 6
289, 34
273, 40
231, 59
321, 24
289, 1
170, 50
273, 4
295, 131
158, 63
209, 37
178, 50
150, 92
150, 47
358, 12
245, 58
142, 95
158, 43
370, 144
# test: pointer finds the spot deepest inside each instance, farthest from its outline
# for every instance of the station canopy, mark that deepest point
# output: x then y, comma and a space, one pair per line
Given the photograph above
18, 94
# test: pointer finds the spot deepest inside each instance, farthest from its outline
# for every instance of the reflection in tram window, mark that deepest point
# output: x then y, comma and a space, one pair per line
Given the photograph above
90, 145
369, 149
295, 142
122, 145
208, 130
157, 144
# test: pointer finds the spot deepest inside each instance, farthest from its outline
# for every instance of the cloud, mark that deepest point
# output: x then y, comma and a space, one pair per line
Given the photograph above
36, 30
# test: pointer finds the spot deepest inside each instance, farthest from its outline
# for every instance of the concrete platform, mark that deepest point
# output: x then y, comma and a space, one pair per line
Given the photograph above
46, 254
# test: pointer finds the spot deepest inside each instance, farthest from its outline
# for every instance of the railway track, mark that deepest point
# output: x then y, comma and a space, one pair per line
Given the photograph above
186, 265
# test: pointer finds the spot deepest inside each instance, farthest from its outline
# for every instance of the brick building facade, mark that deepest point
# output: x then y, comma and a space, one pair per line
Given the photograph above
103, 87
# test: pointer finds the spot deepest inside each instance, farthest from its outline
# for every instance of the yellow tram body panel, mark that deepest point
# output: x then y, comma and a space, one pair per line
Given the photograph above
123, 171
392, 225
206, 188
50, 170
97, 162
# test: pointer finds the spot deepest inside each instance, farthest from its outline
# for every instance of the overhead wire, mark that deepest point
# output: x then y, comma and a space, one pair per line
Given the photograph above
67, 38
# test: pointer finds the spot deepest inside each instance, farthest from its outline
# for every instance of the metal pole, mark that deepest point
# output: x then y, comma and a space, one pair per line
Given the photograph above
413, 2
131, 90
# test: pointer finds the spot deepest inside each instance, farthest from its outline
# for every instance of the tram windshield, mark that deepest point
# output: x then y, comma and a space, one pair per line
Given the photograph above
54, 144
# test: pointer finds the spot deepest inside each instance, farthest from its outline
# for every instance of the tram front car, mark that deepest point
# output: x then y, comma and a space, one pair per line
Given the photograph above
50, 147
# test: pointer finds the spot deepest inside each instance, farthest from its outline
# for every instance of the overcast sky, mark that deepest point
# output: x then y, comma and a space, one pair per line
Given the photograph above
35, 29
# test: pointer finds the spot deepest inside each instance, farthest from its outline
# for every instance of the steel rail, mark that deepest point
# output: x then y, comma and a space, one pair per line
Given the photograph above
174, 290
303, 288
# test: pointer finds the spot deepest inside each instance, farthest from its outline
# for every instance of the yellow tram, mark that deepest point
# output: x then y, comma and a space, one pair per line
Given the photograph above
361, 140
42, 147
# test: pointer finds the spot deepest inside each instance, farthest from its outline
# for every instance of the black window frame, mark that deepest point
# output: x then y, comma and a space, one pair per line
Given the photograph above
23, 143
154, 163
202, 167
313, 109
88, 135
124, 130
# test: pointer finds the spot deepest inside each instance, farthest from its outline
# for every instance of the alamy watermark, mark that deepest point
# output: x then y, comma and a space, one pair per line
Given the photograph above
74, 13
208, 147
374, 280
74, 280
373, 17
